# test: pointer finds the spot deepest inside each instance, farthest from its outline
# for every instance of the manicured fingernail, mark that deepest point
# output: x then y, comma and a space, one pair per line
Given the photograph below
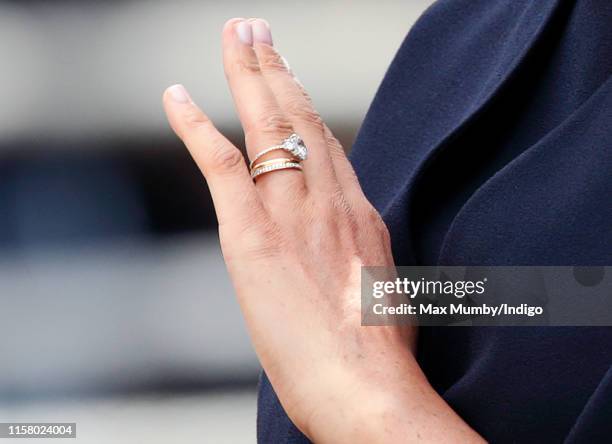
261, 31
179, 94
245, 32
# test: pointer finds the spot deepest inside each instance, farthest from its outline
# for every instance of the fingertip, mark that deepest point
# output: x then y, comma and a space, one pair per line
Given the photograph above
177, 93
231, 22
261, 31
178, 106
229, 27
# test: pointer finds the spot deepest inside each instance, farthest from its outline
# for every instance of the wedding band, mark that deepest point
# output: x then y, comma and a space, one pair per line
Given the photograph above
292, 144
274, 165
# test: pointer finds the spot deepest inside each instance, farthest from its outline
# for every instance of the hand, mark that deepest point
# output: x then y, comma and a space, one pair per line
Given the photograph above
294, 243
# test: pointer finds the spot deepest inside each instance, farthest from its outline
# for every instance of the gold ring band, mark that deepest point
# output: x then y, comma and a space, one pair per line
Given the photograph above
274, 165
272, 161
266, 151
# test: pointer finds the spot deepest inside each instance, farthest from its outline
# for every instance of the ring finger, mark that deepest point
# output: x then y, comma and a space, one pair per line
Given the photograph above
264, 123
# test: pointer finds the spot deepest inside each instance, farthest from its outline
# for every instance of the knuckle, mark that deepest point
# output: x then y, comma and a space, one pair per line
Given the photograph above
386, 236
374, 220
371, 227
270, 123
301, 109
223, 158
194, 118
380, 226
246, 65
264, 242
254, 237
270, 60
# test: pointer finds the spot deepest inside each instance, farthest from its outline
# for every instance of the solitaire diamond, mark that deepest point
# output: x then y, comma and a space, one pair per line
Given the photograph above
295, 145
292, 144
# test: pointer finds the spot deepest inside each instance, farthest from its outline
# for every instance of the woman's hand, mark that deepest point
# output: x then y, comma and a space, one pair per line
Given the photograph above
294, 243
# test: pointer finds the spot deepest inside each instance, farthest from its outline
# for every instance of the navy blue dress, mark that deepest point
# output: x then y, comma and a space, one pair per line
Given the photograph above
490, 143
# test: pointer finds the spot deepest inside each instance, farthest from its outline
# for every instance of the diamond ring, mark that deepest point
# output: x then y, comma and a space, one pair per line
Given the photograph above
293, 144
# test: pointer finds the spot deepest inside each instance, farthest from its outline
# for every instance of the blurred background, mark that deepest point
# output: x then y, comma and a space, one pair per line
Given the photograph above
115, 307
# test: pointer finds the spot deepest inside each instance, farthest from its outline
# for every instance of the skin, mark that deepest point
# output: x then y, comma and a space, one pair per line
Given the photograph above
294, 243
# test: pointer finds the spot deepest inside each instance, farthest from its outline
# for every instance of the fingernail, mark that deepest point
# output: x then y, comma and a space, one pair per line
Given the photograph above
261, 32
245, 32
179, 94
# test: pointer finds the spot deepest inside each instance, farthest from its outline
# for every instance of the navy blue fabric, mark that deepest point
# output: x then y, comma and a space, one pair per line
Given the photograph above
490, 143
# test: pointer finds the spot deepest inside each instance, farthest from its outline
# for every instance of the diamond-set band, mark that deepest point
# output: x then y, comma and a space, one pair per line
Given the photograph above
293, 145
274, 165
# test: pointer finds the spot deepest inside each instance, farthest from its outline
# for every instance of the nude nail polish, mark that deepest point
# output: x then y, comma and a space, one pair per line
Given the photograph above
245, 32
179, 94
261, 32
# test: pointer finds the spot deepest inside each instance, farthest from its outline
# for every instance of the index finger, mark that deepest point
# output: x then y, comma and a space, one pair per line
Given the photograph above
236, 200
